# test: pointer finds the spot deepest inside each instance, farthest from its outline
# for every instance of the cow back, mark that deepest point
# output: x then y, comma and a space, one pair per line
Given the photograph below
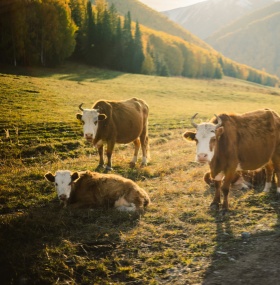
248, 140
125, 120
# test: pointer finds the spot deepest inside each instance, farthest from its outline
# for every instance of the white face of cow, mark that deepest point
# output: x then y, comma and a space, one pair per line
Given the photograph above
205, 142
90, 123
63, 181
205, 137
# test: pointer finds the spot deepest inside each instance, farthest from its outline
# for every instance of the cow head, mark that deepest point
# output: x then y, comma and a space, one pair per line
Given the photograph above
63, 180
205, 137
90, 119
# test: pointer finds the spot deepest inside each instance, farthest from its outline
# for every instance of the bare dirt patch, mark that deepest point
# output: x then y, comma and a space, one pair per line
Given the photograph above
257, 266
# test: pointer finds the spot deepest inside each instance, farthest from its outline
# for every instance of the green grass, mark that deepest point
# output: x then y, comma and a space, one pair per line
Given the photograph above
176, 240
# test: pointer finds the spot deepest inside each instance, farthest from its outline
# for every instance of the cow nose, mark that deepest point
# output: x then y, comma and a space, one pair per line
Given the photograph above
88, 136
202, 157
62, 197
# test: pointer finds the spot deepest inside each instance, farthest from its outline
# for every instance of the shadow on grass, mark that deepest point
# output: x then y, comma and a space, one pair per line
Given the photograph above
69, 71
50, 243
247, 258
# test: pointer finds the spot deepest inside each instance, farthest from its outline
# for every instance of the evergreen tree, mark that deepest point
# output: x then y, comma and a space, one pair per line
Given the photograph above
78, 14
128, 44
138, 55
90, 34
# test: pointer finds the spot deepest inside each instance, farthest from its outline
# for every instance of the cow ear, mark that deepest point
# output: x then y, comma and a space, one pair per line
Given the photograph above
79, 116
50, 177
74, 176
219, 132
189, 136
101, 117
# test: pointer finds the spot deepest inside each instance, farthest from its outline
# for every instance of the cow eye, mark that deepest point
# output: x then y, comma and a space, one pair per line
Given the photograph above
212, 131
95, 122
70, 183
56, 184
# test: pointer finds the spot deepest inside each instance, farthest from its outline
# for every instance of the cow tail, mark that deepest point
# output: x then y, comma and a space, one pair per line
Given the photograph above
147, 147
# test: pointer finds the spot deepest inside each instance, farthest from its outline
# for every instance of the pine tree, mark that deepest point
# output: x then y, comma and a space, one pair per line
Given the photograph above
90, 35
138, 55
128, 43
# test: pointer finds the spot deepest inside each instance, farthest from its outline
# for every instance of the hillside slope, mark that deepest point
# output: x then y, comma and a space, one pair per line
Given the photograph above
155, 20
252, 39
205, 18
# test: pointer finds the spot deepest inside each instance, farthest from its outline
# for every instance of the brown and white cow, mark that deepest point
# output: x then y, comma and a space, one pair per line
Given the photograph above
231, 142
93, 190
114, 122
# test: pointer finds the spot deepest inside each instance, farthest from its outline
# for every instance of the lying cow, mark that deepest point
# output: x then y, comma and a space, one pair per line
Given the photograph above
231, 142
113, 122
92, 190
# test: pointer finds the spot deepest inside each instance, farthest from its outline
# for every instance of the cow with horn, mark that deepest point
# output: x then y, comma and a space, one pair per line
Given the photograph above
111, 122
233, 142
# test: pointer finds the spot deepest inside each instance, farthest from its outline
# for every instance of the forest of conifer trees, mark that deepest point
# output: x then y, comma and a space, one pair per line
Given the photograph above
47, 32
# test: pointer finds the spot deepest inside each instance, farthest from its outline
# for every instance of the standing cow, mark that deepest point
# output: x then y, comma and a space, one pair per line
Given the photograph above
231, 142
113, 122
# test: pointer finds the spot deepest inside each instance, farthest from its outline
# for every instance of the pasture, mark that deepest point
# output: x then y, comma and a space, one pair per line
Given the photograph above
178, 240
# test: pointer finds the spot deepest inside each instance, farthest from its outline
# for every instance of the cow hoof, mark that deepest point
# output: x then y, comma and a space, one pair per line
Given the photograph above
224, 212
143, 165
214, 207
132, 164
99, 168
108, 168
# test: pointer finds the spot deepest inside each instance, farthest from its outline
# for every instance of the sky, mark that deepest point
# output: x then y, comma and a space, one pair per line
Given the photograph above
164, 5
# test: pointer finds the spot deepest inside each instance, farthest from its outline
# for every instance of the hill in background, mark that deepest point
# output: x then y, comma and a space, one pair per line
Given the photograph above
205, 18
155, 20
253, 39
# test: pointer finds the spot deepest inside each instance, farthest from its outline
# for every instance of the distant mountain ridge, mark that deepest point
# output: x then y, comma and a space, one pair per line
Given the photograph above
205, 18
253, 39
171, 50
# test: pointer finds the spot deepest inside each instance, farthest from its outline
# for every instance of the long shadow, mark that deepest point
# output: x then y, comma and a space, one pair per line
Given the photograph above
70, 71
248, 258
47, 242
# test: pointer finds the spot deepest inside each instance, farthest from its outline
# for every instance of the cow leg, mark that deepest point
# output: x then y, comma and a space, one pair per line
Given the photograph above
230, 175
110, 148
217, 197
136, 150
276, 164
144, 140
101, 158
225, 190
277, 172
269, 174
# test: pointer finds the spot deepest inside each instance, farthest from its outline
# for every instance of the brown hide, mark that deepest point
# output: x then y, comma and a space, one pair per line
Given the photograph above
249, 139
125, 120
94, 190
255, 178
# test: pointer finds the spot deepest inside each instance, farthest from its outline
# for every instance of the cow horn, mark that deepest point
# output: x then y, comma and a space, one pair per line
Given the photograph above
219, 121
80, 107
192, 118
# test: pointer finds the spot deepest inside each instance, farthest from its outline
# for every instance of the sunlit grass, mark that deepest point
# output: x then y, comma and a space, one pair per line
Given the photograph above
42, 243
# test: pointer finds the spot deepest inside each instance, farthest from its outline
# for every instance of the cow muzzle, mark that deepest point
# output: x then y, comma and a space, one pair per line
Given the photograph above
89, 137
63, 197
202, 158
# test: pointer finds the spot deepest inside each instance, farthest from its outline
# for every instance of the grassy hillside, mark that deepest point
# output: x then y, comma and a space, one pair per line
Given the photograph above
177, 240
251, 39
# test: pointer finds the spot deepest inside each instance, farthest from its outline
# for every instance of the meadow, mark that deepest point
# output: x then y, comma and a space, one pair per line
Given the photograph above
177, 240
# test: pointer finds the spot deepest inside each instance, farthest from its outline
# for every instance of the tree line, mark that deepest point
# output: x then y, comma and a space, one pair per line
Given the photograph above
47, 32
